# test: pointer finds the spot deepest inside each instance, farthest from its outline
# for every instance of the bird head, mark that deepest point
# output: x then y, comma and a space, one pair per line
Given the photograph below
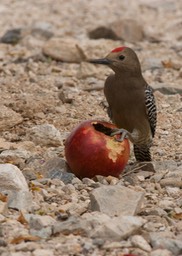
121, 59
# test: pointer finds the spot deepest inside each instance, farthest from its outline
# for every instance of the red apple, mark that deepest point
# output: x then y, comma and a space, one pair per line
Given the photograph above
90, 150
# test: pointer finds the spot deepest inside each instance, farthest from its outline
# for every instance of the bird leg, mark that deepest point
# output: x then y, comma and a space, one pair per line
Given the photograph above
124, 134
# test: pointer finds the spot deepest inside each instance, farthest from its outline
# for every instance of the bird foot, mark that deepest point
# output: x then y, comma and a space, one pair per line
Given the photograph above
122, 132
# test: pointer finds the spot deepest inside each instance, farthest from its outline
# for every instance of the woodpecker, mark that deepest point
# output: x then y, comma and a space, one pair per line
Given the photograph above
131, 101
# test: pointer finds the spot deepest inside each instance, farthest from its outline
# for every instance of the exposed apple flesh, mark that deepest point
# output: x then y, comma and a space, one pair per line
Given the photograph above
90, 150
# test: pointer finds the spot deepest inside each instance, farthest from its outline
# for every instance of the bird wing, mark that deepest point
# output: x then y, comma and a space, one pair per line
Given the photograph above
151, 108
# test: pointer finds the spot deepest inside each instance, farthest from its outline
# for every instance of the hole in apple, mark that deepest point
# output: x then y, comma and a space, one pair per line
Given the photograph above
101, 128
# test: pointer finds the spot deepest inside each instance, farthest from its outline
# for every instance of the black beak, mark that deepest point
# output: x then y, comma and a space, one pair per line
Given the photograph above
103, 61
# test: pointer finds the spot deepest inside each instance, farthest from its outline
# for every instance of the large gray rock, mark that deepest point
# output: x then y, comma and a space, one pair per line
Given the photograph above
103, 32
56, 168
113, 229
16, 153
45, 135
12, 36
38, 221
173, 245
40, 226
13, 183
74, 225
118, 228
167, 88
128, 29
99, 225
116, 200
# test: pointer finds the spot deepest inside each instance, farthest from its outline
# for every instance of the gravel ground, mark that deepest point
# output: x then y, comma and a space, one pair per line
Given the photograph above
46, 90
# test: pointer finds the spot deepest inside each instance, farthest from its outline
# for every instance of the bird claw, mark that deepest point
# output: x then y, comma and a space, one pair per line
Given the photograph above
122, 132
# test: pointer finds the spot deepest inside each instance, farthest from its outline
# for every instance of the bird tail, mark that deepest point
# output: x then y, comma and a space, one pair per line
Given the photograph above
142, 154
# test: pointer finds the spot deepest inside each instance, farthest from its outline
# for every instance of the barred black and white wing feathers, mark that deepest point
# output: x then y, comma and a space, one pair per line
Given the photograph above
151, 108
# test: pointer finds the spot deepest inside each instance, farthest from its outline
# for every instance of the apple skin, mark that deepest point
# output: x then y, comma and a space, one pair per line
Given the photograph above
90, 152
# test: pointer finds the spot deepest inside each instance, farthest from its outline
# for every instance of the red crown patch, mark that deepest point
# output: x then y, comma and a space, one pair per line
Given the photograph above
119, 49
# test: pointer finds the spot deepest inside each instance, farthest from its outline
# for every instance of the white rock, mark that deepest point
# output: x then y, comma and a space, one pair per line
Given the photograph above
113, 229
11, 178
20, 200
14, 184
116, 200
140, 242
18, 153
161, 252
41, 252
63, 49
8, 118
119, 228
38, 222
45, 134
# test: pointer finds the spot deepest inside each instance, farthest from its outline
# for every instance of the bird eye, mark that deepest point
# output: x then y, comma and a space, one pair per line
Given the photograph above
121, 57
